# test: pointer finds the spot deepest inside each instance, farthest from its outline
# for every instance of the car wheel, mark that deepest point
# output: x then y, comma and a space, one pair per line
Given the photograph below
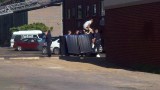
56, 51
44, 50
19, 48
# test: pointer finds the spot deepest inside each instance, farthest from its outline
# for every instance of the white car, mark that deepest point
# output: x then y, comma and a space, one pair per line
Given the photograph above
55, 47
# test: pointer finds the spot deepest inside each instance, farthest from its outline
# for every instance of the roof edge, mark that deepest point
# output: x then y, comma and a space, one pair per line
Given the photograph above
125, 4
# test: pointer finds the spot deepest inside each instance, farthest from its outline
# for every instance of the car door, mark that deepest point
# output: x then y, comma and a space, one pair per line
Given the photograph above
33, 43
24, 43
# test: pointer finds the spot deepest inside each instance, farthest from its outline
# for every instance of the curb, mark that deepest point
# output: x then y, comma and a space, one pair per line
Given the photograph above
24, 58
27, 58
44, 57
1, 58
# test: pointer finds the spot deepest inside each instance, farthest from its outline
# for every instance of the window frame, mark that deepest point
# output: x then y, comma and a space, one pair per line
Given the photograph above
79, 11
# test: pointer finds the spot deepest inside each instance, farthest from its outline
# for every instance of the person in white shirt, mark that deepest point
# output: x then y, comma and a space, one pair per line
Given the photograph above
87, 26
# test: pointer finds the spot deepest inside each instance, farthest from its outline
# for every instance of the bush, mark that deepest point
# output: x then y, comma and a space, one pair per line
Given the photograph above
34, 26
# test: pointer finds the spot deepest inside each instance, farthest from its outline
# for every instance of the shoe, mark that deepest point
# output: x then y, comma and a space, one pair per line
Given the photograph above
49, 55
98, 55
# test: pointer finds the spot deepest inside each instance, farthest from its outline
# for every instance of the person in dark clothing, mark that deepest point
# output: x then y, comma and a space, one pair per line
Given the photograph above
97, 42
49, 42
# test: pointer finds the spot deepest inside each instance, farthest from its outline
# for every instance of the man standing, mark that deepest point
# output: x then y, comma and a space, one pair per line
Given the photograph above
97, 42
49, 42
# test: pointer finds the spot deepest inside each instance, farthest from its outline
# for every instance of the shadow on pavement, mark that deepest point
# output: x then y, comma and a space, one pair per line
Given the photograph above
92, 60
104, 63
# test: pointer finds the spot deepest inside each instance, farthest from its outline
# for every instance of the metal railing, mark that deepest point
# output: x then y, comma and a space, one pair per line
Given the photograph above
27, 5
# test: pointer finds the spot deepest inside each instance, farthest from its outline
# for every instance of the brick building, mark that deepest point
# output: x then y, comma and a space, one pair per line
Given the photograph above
76, 12
50, 16
132, 32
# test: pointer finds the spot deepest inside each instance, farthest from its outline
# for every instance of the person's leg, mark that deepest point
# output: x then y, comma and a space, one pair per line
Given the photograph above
48, 49
97, 46
90, 30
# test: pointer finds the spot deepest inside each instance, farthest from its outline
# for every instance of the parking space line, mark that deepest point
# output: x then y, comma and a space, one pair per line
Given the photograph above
25, 58
1, 58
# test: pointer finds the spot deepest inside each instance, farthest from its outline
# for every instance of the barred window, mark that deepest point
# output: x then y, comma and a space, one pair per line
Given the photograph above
102, 8
79, 11
87, 10
68, 13
94, 9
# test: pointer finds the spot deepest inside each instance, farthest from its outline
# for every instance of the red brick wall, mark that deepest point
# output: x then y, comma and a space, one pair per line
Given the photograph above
132, 35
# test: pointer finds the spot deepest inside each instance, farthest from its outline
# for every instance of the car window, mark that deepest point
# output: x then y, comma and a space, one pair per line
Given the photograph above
30, 36
35, 36
54, 38
17, 38
24, 36
58, 41
25, 40
33, 40
41, 35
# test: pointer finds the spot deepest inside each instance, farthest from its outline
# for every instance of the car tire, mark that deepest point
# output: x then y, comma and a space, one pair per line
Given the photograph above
19, 48
56, 50
44, 50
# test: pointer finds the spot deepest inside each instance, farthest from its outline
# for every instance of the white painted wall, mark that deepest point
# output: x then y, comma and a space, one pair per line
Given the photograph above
108, 4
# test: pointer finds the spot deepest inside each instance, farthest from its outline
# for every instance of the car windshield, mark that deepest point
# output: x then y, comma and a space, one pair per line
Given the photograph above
41, 35
54, 38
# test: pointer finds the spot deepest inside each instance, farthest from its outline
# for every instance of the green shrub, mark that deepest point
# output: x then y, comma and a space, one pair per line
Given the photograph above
33, 26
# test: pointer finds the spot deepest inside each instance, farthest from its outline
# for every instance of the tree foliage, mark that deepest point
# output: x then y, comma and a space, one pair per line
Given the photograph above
34, 26
1, 1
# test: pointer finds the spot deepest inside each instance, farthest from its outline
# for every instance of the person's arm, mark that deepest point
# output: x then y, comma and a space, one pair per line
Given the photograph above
94, 38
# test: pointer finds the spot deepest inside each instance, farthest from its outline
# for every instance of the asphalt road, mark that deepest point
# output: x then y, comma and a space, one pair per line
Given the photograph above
29, 78
69, 73
10, 52
21, 75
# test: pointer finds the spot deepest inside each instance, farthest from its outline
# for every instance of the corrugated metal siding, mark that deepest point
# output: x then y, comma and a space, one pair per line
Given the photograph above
132, 35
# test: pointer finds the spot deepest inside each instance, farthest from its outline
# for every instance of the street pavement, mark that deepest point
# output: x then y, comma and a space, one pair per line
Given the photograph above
29, 78
65, 75
10, 52
70, 73
7, 52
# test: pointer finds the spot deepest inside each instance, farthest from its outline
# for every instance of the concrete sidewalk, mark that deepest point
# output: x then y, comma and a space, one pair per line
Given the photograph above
10, 53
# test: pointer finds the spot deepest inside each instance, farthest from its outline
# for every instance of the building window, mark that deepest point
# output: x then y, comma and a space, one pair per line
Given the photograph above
87, 11
79, 24
102, 8
79, 11
94, 9
73, 12
68, 13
